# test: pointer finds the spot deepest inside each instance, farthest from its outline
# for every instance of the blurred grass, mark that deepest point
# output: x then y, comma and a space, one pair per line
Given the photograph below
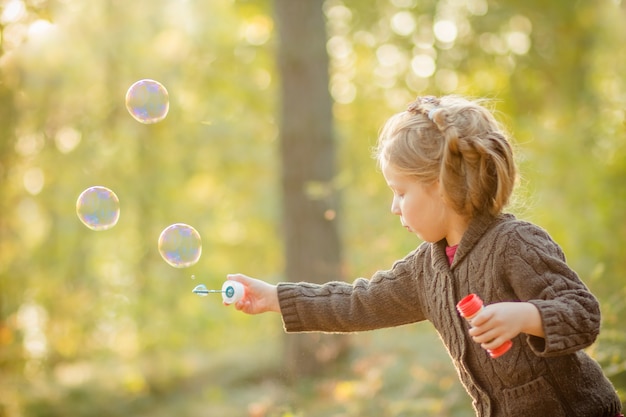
391, 372
395, 372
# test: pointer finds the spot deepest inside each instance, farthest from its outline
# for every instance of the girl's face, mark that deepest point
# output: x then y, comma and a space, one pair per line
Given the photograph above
420, 206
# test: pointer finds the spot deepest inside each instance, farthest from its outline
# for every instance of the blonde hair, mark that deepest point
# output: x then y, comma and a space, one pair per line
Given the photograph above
458, 142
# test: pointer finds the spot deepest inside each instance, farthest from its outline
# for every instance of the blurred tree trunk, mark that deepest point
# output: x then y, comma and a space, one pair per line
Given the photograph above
312, 244
9, 294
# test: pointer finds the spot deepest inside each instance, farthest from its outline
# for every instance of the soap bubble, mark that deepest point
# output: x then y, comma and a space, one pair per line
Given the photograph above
98, 208
147, 101
180, 245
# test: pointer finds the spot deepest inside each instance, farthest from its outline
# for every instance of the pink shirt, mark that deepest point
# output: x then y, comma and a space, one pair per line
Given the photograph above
451, 251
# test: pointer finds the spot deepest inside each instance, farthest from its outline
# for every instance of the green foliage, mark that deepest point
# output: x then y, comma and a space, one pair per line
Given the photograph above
96, 322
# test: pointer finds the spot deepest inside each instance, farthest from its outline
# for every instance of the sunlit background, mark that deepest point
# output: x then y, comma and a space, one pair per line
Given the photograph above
97, 322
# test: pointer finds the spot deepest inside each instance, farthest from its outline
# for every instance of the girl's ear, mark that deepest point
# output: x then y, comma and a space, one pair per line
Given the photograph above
441, 192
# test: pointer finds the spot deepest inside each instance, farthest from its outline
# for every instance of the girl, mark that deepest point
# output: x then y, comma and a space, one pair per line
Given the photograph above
451, 171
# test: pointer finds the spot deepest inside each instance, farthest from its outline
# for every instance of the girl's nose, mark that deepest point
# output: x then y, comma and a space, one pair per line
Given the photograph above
395, 206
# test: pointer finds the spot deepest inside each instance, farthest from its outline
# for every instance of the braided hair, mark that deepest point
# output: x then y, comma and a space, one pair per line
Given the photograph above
457, 142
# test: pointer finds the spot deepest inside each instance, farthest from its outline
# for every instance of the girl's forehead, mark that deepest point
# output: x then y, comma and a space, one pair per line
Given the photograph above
398, 178
392, 173
387, 167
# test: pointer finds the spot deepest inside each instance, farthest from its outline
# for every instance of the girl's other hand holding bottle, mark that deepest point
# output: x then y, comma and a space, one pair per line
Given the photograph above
499, 322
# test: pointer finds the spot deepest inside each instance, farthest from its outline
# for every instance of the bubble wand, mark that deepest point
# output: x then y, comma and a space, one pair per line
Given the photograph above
232, 291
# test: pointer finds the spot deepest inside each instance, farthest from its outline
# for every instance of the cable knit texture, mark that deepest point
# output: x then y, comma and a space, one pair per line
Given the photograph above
499, 259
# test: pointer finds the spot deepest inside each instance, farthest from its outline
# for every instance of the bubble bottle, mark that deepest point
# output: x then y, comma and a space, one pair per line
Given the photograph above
469, 307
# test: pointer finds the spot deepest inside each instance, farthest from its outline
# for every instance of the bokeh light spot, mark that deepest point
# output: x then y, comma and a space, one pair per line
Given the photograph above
445, 31
403, 23
423, 65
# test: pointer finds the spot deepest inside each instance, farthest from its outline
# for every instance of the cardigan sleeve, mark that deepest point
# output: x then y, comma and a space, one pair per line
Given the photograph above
388, 299
538, 273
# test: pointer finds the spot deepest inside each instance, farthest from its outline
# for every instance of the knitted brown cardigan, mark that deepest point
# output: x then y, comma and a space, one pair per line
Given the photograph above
499, 259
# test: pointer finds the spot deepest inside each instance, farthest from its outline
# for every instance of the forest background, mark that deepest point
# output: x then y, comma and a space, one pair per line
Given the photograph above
96, 323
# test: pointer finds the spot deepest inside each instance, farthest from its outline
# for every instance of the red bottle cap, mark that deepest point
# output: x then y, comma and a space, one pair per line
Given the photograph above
500, 350
469, 305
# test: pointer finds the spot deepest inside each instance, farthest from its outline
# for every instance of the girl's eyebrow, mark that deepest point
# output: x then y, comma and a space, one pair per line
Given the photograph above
394, 188
393, 183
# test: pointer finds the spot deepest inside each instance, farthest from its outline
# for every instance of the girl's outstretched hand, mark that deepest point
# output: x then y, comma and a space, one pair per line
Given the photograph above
259, 296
